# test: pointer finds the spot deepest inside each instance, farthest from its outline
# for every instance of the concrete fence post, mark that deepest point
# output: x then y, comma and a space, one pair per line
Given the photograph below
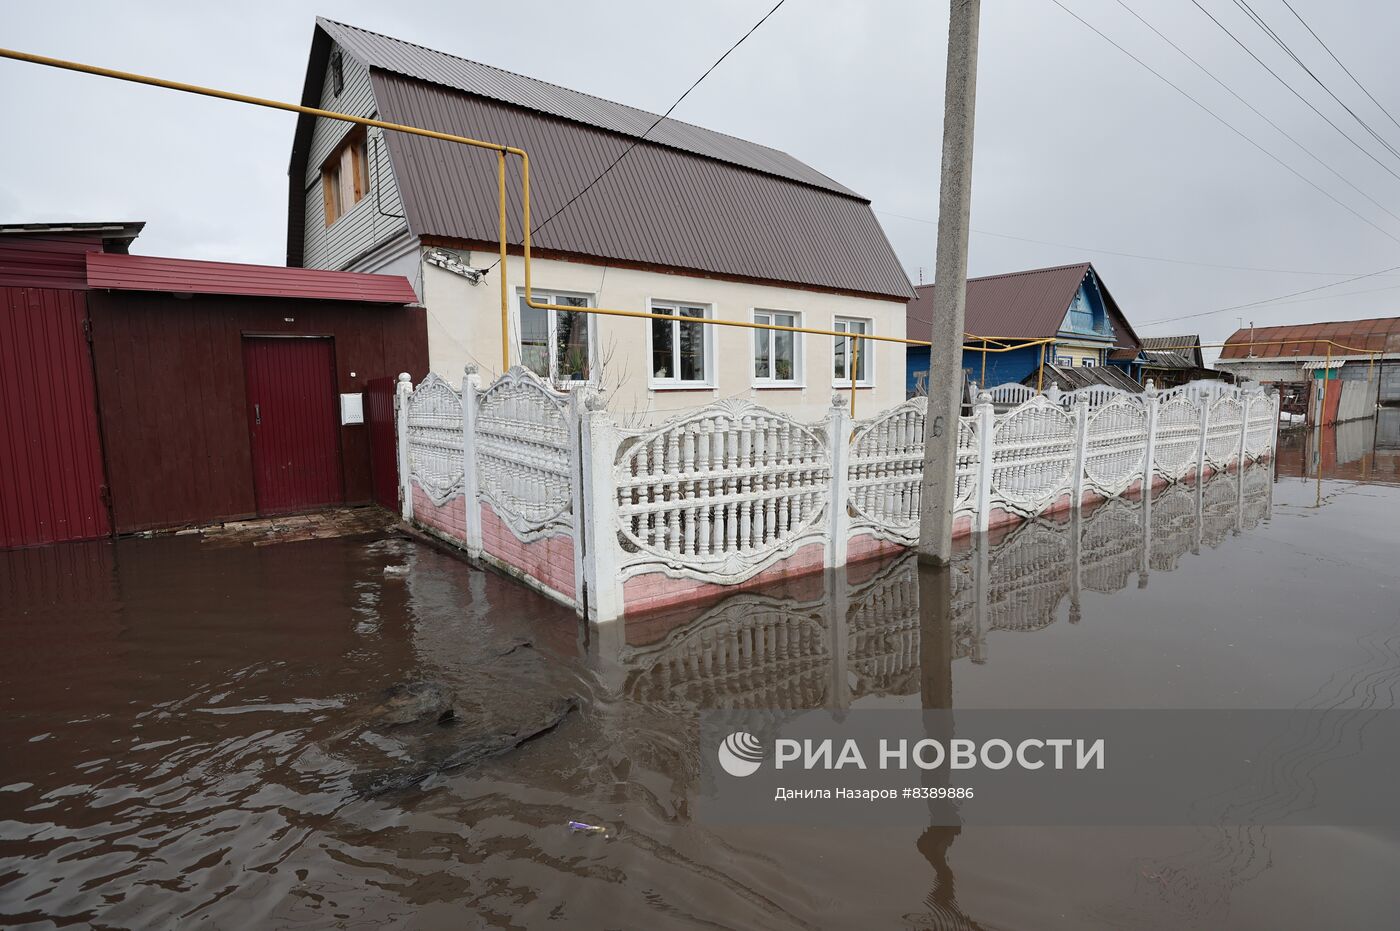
1273, 440
578, 411
471, 478
1204, 402
1244, 429
601, 556
839, 521
838, 610
403, 391
1081, 445
981, 586
1151, 402
1145, 562
986, 418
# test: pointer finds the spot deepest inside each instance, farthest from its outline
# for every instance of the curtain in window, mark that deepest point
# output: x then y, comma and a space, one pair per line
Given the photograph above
571, 340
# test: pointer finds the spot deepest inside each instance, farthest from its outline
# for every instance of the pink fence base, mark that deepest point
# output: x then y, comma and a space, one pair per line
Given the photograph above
547, 564
868, 546
655, 590
1001, 519
548, 561
446, 520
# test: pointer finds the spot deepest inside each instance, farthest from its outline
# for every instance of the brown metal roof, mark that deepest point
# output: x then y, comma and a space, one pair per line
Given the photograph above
395, 55
1376, 334
686, 198
659, 207
1029, 305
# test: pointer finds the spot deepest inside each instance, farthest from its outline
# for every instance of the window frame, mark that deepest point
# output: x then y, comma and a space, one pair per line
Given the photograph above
799, 355
356, 142
337, 68
551, 296
1064, 362
661, 305
867, 359
1088, 362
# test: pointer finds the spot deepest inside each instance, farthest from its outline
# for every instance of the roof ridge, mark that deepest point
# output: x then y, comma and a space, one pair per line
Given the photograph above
1028, 271
1280, 326
616, 103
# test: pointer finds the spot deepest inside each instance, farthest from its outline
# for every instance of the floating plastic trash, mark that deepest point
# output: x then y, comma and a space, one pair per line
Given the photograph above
579, 827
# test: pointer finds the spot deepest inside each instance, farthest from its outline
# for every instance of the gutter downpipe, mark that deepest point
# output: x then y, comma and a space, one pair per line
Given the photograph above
505, 299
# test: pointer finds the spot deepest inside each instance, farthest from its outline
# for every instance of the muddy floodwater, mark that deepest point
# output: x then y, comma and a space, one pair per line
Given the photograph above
192, 731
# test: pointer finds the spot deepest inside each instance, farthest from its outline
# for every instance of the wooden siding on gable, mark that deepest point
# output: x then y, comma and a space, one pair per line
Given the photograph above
379, 214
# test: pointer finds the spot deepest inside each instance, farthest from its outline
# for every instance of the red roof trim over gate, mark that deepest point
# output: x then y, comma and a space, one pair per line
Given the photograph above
191, 276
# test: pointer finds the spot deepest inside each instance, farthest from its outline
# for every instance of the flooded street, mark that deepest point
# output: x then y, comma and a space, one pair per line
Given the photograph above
193, 732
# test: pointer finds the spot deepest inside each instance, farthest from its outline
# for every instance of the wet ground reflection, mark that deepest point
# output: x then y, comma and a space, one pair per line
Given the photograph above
185, 724
857, 632
1358, 451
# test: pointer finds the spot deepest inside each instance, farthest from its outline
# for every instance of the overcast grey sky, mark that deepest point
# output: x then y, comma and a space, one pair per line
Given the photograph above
1076, 143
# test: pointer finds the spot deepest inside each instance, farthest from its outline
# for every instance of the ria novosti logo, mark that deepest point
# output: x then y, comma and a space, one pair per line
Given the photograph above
741, 754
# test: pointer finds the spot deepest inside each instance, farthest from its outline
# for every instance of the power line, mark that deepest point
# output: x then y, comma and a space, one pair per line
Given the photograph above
1304, 300
1256, 111
1269, 300
1278, 40
1339, 62
625, 152
1294, 91
1228, 125
1126, 255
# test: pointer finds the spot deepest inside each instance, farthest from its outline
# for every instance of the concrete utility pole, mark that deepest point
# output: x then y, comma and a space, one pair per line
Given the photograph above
945, 372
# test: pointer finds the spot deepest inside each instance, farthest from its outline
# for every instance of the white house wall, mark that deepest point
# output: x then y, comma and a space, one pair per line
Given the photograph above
464, 327
1266, 370
379, 214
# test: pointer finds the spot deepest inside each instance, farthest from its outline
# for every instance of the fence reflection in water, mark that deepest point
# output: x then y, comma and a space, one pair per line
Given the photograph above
864, 630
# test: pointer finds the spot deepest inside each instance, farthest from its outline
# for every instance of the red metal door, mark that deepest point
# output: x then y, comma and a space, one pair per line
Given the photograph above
52, 481
293, 422
383, 441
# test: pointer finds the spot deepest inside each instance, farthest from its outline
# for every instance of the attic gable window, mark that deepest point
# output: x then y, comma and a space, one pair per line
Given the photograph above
344, 176
337, 73
1086, 311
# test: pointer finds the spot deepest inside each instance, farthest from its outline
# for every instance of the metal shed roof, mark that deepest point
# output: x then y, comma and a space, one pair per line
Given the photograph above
119, 272
1071, 378
1380, 334
1165, 352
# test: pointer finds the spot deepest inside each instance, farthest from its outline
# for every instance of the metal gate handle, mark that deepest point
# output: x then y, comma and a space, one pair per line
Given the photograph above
257, 414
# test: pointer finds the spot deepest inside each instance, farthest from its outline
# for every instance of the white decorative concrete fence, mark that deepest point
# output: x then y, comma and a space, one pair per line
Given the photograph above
496, 471
549, 487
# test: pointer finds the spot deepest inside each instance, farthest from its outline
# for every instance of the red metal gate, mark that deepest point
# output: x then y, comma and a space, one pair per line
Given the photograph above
293, 423
383, 441
52, 483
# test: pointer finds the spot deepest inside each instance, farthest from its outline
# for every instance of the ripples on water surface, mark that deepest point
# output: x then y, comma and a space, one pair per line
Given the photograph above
184, 728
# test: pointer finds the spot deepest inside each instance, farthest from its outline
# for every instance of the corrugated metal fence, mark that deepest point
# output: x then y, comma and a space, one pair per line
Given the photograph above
51, 476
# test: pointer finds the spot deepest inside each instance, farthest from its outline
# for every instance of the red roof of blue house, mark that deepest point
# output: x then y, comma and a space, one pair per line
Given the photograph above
118, 272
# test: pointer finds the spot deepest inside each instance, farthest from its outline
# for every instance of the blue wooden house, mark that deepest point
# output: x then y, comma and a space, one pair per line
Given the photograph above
1068, 304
